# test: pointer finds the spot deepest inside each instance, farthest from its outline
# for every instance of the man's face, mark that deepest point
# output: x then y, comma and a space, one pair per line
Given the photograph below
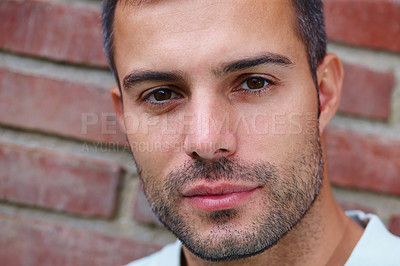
220, 111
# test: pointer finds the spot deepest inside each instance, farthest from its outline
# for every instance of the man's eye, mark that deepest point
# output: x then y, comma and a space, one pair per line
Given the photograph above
161, 95
255, 83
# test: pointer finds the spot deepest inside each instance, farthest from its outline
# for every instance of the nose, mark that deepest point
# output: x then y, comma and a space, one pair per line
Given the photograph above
209, 135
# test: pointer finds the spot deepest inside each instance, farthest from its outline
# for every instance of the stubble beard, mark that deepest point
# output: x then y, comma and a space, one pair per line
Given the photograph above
291, 190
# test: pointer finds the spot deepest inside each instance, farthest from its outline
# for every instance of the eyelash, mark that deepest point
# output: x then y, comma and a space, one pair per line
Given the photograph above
146, 97
259, 92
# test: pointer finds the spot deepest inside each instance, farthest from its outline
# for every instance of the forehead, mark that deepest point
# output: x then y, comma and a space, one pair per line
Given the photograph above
157, 31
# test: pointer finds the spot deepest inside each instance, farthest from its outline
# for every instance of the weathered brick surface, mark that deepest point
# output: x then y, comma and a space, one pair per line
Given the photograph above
394, 224
63, 32
58, 181
70, 33
30, 242
366, 92
363, 161
141, 208
373, 24
60, 107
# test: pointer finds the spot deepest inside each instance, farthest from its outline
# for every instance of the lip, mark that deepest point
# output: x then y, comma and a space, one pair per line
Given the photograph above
219, 196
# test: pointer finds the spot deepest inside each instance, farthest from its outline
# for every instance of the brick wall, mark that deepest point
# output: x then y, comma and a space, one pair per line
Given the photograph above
69, 192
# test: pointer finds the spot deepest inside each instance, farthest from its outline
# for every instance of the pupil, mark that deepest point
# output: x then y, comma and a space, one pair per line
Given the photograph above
162, 95
255, 83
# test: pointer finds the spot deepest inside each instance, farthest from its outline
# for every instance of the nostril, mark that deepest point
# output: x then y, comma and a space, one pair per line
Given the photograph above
208, 149
195, 155
221, 151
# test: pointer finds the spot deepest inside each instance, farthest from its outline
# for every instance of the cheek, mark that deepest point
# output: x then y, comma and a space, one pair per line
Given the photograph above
155, 144
272, 137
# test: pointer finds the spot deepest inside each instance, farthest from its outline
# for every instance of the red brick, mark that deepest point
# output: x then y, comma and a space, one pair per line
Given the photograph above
363, 161
38, 243
59, 107
373, 24
141, 208
63, 32
394, 224
348, 206
58, 181
366, 92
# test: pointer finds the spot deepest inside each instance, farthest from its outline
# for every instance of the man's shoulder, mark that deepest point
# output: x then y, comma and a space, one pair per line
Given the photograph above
169, 255
377, 246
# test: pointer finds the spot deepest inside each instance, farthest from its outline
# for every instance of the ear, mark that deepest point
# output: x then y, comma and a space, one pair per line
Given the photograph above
118, 106
330, 79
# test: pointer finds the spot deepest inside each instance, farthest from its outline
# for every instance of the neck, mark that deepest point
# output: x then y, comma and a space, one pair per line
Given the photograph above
324, 236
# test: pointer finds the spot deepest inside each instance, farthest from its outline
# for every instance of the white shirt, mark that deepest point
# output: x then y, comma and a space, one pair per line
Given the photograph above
377, 246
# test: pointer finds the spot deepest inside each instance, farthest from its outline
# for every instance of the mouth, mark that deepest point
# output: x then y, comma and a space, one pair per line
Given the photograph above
218, 196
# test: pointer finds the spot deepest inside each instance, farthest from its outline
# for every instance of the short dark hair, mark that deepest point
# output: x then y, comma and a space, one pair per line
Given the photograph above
107, 19
309, 26
311, 29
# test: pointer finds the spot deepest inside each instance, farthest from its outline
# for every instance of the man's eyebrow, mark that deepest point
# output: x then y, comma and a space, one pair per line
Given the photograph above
141, 76
268, 58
